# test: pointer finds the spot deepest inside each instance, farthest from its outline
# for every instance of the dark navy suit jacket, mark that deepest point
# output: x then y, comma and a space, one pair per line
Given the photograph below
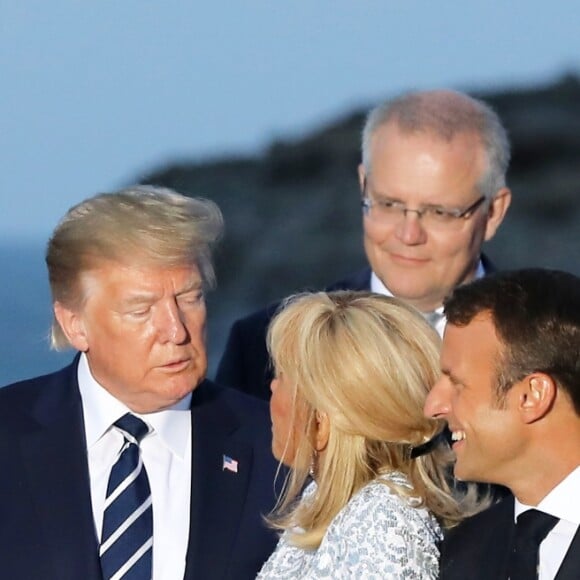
479, 547
245, 363
46, 522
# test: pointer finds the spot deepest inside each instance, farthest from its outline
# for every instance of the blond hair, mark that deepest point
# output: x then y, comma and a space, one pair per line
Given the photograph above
368, 362
140, 225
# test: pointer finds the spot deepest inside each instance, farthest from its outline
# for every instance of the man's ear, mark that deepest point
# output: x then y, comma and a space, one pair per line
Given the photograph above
537, 396
71, 323
362, 175
497, 211
322, 424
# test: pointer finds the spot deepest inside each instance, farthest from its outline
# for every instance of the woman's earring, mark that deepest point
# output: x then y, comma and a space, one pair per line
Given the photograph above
313, 464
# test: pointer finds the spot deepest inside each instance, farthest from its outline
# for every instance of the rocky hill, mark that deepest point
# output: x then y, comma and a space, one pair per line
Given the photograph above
293, 216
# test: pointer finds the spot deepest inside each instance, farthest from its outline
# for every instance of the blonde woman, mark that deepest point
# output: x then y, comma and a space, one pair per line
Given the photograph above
352, 371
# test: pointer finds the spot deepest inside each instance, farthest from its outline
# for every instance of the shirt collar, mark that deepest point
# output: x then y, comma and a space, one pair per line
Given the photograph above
101, 410
435, 318
378, 287
560, 502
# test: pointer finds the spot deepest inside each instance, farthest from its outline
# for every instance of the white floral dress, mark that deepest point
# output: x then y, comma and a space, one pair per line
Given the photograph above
377, 535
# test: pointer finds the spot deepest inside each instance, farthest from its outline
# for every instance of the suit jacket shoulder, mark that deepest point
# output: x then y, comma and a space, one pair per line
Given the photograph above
46, 520
245, 364
479, 544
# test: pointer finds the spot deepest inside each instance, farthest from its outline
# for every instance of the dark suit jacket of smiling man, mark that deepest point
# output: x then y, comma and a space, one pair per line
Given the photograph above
127, 273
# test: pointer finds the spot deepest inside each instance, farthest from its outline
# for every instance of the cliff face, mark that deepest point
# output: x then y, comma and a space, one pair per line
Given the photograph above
293, 216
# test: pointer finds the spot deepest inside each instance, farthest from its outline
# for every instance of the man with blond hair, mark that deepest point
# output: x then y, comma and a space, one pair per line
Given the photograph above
433, 190
128, 464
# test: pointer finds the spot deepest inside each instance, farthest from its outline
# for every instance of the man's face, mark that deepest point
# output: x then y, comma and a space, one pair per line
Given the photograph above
143, 331
488, 437
418, 264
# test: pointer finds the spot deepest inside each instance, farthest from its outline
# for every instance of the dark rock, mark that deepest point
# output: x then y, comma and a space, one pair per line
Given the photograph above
293, 216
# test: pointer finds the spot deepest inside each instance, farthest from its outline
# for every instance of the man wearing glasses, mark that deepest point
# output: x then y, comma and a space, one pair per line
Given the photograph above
433, 189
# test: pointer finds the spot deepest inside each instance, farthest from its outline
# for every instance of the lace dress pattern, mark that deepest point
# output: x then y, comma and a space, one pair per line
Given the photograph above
377, 535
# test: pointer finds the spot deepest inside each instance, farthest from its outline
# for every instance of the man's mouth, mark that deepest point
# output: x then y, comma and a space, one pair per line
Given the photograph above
458, 435
176, 364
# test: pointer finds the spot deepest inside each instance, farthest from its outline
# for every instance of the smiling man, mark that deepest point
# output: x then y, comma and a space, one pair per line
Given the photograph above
433, 186
510, 393
128, 464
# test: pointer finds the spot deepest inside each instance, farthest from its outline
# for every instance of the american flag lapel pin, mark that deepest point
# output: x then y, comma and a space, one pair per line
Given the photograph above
229, 464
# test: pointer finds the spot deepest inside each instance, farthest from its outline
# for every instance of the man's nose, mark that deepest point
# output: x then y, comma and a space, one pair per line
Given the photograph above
410, 230
171, 326
437, 405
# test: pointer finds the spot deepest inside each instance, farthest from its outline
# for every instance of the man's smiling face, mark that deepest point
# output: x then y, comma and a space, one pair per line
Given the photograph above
487, 433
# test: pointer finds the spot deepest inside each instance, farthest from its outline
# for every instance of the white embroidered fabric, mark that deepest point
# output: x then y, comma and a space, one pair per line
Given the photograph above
377, 535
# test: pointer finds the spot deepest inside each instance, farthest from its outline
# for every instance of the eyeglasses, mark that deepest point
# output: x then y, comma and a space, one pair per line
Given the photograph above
388, 212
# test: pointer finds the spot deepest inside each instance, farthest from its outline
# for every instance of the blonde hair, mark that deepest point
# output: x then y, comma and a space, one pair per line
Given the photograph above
368, 362
139, 225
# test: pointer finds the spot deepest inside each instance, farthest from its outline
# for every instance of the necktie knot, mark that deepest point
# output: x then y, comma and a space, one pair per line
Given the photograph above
133, 426
533, 526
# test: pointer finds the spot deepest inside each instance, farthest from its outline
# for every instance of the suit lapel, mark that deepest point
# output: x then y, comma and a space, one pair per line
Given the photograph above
217, 496
56, 463
570, 567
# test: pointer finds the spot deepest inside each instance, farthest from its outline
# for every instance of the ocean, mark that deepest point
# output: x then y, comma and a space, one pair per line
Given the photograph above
25, 313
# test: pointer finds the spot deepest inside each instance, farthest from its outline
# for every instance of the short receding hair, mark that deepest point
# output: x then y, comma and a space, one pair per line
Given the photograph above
445, 114
368, 362
536, 316
140, 225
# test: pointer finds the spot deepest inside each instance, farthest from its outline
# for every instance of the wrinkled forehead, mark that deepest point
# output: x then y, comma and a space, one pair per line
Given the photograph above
136, 274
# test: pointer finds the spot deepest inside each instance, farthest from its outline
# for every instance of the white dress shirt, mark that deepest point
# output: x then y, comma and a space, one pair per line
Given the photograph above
562, 502
436, 318
166, 453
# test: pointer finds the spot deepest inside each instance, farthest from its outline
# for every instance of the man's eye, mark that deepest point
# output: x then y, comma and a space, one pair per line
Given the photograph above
438, 211
141, 313
387, 203
192, 299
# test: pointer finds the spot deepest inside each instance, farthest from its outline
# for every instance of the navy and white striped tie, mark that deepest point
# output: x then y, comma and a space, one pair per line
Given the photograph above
127, 536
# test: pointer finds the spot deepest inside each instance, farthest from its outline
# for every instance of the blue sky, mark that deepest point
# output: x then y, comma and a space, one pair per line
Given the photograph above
97, 93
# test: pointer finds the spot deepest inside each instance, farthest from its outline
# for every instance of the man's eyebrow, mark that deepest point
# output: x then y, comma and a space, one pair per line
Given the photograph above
191, 287
140, 298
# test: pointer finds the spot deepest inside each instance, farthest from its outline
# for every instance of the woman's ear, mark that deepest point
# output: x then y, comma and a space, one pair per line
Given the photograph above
322, 430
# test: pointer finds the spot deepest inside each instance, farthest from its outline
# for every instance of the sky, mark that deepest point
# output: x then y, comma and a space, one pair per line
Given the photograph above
96, 94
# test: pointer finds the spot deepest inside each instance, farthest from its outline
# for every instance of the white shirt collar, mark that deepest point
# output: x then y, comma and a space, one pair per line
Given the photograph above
101, 410
378, 287
436, 318
560, 502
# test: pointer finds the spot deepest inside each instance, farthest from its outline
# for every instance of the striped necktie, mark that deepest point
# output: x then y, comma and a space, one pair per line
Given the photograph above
127, 536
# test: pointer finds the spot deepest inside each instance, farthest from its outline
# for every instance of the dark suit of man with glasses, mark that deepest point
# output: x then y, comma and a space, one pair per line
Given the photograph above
433, 189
